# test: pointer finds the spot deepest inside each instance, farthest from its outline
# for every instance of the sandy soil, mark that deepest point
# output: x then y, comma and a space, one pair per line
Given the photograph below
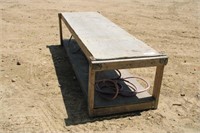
39, 94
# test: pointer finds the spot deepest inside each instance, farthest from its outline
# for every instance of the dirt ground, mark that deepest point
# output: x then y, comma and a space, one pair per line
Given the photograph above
38, 92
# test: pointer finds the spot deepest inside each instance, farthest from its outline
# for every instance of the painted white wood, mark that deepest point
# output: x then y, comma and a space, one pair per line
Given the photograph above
104, 39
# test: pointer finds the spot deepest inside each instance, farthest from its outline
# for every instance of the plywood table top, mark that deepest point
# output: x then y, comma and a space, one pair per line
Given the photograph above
105, 40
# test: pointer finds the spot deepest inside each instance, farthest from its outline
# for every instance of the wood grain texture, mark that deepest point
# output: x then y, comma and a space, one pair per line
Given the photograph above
104, 39
157, 84
81, 69
123, 108
60, 28
103, 47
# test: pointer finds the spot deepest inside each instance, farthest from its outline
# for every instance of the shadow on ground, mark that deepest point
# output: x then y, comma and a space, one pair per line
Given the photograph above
74, 101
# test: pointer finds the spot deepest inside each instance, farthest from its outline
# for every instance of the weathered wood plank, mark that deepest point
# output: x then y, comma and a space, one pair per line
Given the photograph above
157, 84
91, 90
123, 108
103, 39
129, 63
81, 68
60, 28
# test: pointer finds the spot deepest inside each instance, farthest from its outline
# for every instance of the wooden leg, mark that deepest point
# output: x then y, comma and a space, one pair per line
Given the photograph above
91, 87
157, 84
60, 29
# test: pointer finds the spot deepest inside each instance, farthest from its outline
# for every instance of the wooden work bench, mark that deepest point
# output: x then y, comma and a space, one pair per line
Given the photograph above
101, 48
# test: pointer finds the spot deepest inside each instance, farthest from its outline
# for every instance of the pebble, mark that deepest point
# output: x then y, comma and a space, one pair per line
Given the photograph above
148, 118
177, 104
18, 63
182, 94
130, 118
13, 80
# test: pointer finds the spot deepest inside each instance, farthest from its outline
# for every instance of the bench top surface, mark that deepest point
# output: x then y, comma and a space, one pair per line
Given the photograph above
104, 39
